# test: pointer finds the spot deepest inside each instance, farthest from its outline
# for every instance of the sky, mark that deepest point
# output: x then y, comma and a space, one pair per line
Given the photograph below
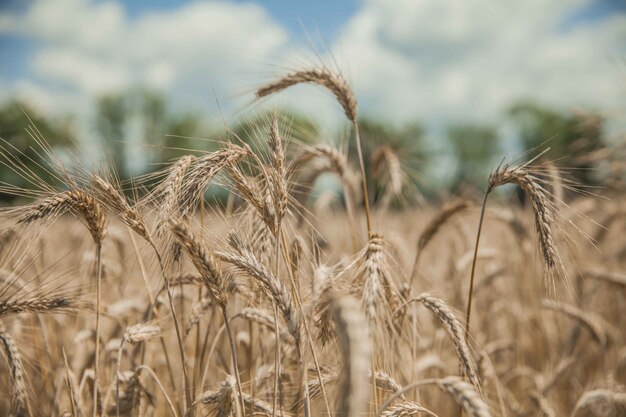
435, 61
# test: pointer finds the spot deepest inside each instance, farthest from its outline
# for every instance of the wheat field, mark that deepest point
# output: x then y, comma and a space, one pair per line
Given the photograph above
138, 299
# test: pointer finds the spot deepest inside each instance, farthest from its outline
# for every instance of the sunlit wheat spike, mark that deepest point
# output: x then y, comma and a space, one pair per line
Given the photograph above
36, 305
76, 201
335, 83
543, 209
406, 409
455, 330
354, 343
198, 309
203, 170
278, 174
246, 261
171, 189
204, 262
19, 398
224, 398
378, 293
254, 195
109, 196
465, 395
141, 332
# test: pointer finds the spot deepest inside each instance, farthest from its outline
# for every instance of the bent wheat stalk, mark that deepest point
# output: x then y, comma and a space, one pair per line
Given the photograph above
544, 213
340, 88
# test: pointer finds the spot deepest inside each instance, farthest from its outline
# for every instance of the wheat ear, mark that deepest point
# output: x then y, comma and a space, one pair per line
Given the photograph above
340, 88
19, 399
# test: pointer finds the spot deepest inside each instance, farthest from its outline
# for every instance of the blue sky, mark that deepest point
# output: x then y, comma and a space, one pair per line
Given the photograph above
407, 59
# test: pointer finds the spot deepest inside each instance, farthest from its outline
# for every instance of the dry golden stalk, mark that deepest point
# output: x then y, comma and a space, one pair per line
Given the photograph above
354, 343
592, 322
90, 210
545, 220
19, 398
433, 226
216, 283
611, 277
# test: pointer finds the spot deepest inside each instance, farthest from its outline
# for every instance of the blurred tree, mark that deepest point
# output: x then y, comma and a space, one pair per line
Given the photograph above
140, 131
186, 133
110, 122
16, 119
474, 147
571, 136
394, 157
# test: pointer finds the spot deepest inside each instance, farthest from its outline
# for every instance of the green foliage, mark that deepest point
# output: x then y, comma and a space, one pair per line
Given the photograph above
16, 121
571, 136
475, 148
140, 122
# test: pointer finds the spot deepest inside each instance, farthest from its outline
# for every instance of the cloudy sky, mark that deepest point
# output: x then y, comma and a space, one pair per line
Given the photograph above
431, 60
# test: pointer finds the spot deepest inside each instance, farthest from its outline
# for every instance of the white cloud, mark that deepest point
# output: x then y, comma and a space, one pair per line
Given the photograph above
408, 59
437, 59
87, 48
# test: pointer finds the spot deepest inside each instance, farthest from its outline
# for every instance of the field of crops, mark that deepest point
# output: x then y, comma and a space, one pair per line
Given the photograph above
139, 299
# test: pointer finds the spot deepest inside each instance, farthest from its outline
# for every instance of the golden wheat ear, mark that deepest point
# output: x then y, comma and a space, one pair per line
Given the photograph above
19, 397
